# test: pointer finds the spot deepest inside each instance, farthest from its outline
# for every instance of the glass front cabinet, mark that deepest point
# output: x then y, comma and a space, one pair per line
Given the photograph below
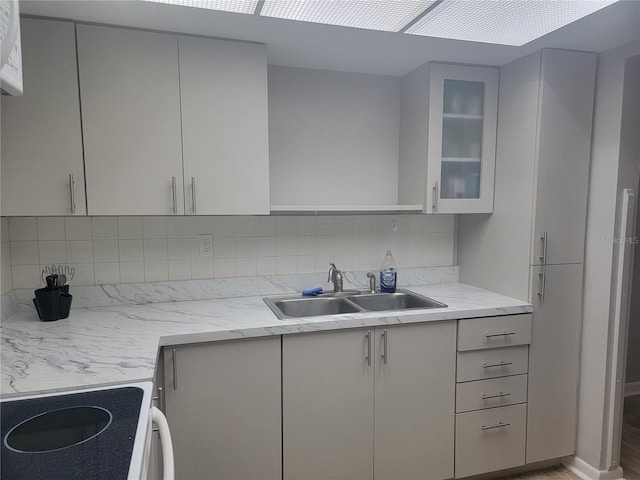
463, 103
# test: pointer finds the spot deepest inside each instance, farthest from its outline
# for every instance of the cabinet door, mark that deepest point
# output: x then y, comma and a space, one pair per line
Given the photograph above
129, 89
327, 389
415, 401
223, 90
223, 406
553, 361
564, 152
41, 134
463, 104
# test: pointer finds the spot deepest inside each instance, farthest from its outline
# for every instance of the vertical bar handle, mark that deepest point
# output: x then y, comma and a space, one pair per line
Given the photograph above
193, 194
174, 365
543, 283
175, 194
544, 237
434, 205
368, 356
385, 336
161, 398
72, 192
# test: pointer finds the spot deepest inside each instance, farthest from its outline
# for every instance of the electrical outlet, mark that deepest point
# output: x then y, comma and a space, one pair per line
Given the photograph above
206, 245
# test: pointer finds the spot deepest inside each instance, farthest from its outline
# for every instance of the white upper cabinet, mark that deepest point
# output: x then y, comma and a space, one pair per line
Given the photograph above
223, 93
448, 138
42, 170
565, 106
129, 89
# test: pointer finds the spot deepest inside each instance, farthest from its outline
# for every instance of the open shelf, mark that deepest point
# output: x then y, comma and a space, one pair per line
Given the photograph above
463, 116
347, 208
461, 159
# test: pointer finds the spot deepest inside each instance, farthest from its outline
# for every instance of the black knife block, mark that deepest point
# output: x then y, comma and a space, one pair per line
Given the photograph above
53, 303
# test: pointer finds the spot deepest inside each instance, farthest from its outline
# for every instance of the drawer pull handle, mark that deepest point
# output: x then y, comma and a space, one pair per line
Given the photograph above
499, 364
497, 395
497, 425
502, 334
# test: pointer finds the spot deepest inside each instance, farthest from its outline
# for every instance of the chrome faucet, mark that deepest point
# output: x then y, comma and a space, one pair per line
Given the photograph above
335, 277
372, 282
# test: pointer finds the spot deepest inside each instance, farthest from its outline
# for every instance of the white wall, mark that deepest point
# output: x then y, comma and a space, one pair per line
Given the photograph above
610, 173
106, 250
630, 167
6, 282
333, 137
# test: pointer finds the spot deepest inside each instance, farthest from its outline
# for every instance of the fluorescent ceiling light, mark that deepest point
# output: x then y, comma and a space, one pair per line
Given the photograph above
506, 22
237, 6
387, 15
503, 22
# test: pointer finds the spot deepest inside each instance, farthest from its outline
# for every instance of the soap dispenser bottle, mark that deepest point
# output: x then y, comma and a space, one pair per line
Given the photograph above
388, 274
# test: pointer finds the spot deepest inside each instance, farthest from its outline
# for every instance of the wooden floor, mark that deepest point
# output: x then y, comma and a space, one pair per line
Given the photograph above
630, 452
554, 473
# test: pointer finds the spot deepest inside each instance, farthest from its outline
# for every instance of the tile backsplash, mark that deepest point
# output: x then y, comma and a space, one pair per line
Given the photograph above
129, 249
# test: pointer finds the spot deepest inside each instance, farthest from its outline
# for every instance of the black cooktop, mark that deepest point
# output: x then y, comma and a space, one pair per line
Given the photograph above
87, 435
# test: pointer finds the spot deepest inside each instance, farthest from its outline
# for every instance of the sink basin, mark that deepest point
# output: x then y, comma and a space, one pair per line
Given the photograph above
310, 307
354, 302
401, 300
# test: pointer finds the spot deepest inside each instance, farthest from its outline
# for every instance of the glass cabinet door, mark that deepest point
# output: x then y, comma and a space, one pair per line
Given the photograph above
461, 139
462, 128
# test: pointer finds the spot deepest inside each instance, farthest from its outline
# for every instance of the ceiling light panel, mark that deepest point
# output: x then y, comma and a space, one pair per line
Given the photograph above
505, 22
387, 15
237, 6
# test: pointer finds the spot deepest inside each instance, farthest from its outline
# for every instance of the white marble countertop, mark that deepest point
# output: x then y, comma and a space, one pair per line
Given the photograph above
115, 344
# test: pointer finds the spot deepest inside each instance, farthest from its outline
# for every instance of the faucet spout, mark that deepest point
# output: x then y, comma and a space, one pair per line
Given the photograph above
372, 282
336, 277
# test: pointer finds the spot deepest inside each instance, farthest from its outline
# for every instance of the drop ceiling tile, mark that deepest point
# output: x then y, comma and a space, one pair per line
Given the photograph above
386, 15
505, 22
237, 6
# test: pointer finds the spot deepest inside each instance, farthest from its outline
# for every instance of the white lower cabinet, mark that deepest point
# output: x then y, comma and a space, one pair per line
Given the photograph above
555, 356
223, 405
495, 392
491, 394
378, 403
369, 403
489, 440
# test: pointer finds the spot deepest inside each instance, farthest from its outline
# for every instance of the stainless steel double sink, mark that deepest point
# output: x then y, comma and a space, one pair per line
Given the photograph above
296, 306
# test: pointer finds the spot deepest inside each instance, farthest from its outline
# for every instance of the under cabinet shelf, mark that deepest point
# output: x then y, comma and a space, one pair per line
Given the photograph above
347, 209
463, 116
461, 159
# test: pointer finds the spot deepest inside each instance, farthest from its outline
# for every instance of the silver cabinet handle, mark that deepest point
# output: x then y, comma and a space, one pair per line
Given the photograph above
193, 194
72, 192
385, 336
499, 364
502, 334
175, 194
161, 397
368, 356
543, 283
434, 205
497, 395
543, 257
175, 372
156, 399
497, 425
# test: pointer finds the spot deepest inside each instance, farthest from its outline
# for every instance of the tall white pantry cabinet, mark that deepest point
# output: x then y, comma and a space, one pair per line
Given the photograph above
532, 247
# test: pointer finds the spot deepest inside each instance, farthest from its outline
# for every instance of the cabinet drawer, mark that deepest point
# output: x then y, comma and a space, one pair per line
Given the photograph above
497, 362
492, 332
490, 440
495, 392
